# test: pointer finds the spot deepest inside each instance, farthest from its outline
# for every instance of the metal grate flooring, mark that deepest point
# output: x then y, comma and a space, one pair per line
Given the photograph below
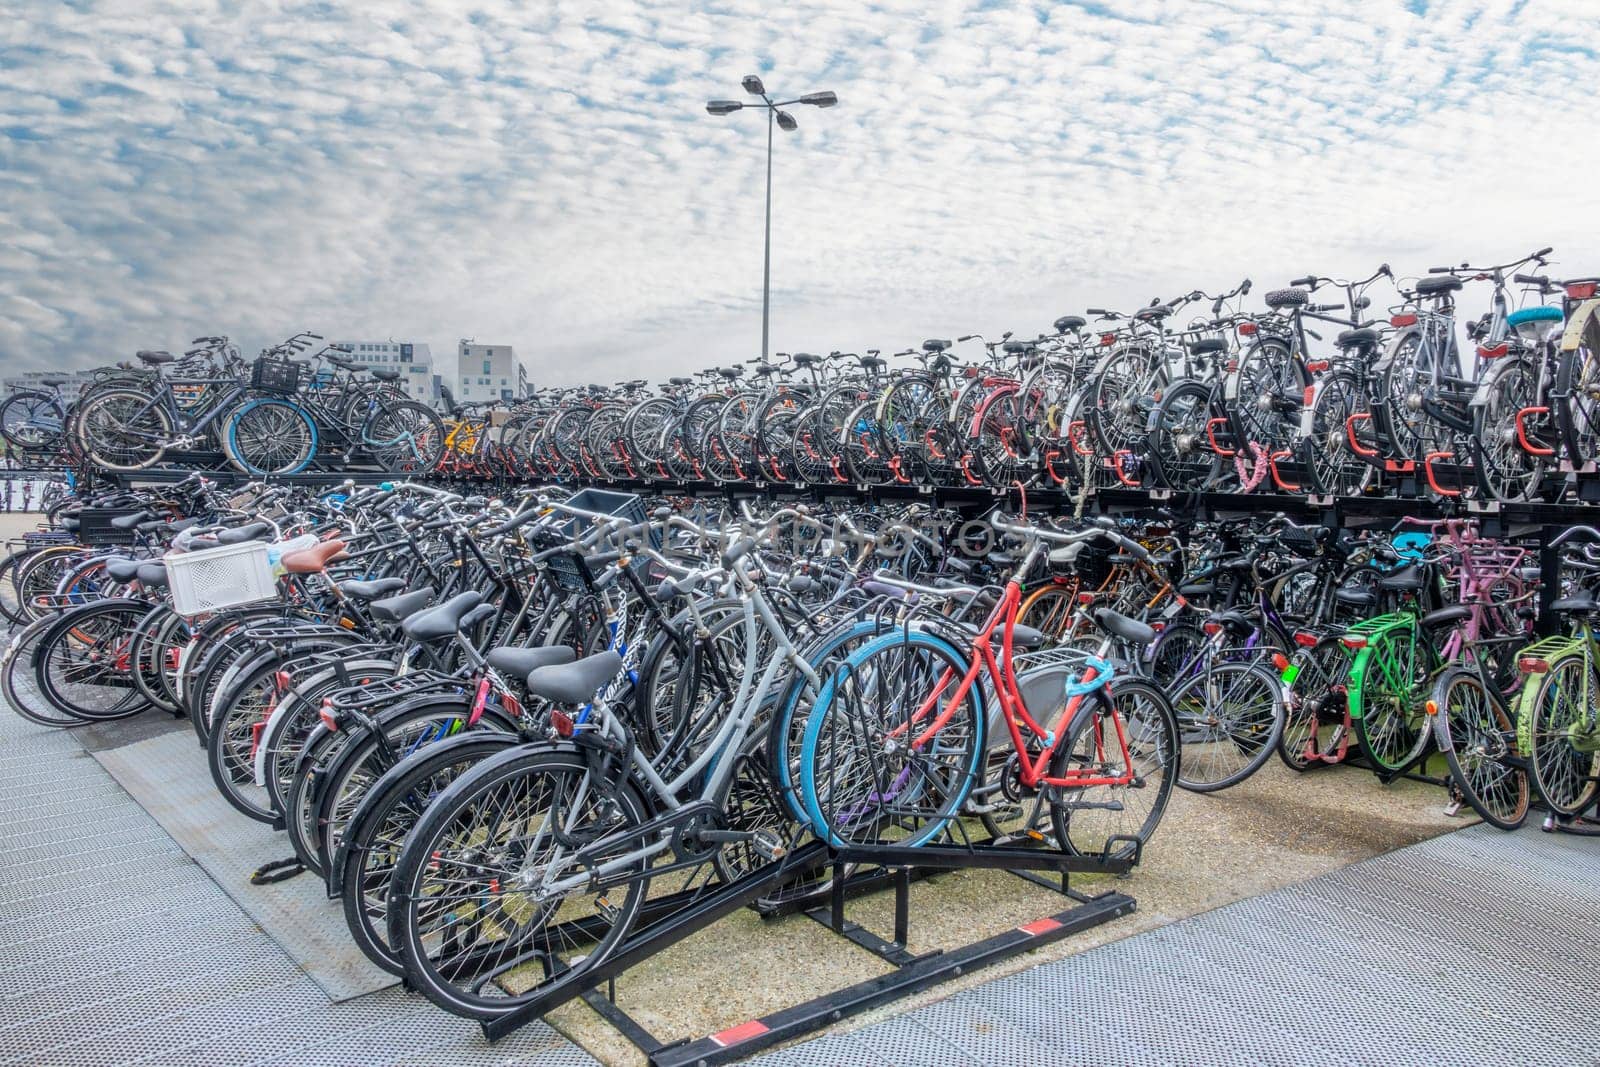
1476, 947
116, 948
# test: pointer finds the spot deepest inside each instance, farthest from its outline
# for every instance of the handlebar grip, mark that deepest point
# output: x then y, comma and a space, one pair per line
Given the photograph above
520, 519
739, 550
1530, 279
1308, 280
1439, 270
1544, 252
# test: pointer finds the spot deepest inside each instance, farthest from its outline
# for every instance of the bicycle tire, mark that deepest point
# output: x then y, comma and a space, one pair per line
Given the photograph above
1475, 734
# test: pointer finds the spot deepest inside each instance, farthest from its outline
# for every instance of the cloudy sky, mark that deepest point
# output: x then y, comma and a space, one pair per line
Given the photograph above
544, 174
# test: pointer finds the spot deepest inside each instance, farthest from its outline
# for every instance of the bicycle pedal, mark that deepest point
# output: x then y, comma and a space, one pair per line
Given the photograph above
768, 845
1452, 809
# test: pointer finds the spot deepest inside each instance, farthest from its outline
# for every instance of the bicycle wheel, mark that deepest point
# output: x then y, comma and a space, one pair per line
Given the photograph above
1561, 735
1387, 696
884, 760
1180, 455
1507, 471
1230, 717
1050, 609
1314, 728
1479, 743
270, 436
1335, 470
1095, 820
121, 430
403, 437
81, 664
20, 685
32, 421
490, 903
378, 829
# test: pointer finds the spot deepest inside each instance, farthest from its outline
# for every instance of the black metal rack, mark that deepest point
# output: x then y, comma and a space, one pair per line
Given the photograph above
854, 871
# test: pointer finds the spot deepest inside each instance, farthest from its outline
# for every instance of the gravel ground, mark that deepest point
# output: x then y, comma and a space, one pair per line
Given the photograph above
1276, 829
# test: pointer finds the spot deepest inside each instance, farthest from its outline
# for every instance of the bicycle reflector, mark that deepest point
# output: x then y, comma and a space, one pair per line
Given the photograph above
1432, 708
1582, 290
325, 713
1533, 665
1248, 329
1212, 629
1280, 662
561, 721
1403, 320
1108, 339
1353, 641
1305, 640
1317, 366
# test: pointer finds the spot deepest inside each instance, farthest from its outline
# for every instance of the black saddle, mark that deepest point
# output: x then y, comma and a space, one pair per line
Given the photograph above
1353, 338
129, 522
239, 535
805, 359
680, 381
1582, 603
577, 682
1447, 616
431, 624
1405, 580
342, 363
123, 571
1356, 598
385, 374
368, 591
397, 608
521, 662
1287, 298
1207, 345
1070, 322
872, 362
731, 373
1154, 313
1438, 284
1016, 348
934, 344
1232, 621
52, 382
1120, 625
152, 575
154, 358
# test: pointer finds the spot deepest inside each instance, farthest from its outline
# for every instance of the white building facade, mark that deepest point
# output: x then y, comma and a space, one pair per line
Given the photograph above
486, 372
413, 359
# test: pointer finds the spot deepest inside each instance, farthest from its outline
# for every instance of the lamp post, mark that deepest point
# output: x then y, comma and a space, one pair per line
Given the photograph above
775, 115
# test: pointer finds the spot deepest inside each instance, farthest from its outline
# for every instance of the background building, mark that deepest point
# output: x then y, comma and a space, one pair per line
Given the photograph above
486, 372
412, 359
34, 379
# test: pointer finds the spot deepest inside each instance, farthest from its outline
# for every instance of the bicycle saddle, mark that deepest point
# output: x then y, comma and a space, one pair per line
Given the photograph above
805, 359
1358, 598
1405, 580
1153, 314
240, 534
934, 344
1197, 589
342, 363
1437, 285
871, 362
396, 608
1582, 603
680, 381
52, 382
1447, 616
385, 374
1070, 322
576, 682
1015, 348
521, 662
1026, 637
1120, 625
1352, 338
129, 522
1286, 298
730, 373
313, 560
431, 624
1207, 345
152, 575
154, 358
122, 571
366, 591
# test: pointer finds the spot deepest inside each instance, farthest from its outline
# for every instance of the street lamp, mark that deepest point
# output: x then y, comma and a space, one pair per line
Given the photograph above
775, 116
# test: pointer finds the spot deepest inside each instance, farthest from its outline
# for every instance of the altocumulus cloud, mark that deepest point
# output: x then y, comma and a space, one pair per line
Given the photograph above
544, 174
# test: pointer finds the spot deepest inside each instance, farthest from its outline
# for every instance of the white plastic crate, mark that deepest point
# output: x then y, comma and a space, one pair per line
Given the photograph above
216, 578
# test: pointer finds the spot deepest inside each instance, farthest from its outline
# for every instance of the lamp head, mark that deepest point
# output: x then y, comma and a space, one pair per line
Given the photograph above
753, 86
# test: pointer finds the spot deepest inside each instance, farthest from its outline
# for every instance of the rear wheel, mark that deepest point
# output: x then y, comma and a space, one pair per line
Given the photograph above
123, 430
1506, 470
1388, 696
270, 436
1230, 717
403, 436
1097, 820
1563, 736
1479, 744
1180, 454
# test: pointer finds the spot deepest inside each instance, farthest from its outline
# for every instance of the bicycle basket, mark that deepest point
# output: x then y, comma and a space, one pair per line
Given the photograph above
216, 578
95, 529
568, 569
276, 375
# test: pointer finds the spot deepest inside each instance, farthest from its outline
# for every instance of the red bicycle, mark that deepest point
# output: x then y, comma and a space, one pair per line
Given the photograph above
911, 731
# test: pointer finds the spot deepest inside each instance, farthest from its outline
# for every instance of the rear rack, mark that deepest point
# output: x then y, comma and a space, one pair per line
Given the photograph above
389, 690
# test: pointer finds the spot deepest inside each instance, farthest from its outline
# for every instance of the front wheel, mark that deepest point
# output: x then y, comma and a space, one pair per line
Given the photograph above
1230, 717
123, 430
494, 896
270, 436
1479, 743
1561, 731
1389, 688
404, 437
1106, 820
